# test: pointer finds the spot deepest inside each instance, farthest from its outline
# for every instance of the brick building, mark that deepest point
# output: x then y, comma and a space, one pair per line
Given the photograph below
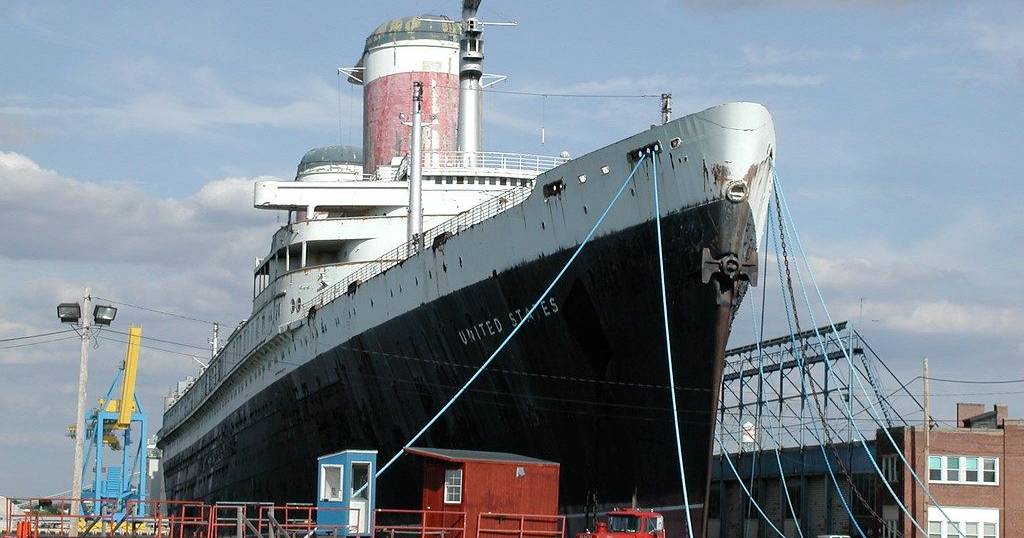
974, 471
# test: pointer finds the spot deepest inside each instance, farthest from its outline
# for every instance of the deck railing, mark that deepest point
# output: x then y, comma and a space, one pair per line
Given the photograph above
431, 237
491, 159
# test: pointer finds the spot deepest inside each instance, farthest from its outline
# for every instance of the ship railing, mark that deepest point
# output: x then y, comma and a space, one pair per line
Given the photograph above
497, 525
392, 523
433, 237
491, 160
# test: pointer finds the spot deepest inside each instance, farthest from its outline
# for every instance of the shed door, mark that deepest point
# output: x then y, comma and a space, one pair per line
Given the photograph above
359, 507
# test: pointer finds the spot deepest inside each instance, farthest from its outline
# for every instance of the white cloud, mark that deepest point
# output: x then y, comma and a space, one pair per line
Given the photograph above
55, 217
947, 317
755, 55
188, 101
786, 80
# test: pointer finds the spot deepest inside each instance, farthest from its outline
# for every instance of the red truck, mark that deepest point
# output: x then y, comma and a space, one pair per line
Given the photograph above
628, 523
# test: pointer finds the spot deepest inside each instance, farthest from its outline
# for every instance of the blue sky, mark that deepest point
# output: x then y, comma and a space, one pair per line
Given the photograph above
129, 137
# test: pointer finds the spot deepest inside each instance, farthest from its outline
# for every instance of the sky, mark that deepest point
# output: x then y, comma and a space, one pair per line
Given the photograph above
130, 136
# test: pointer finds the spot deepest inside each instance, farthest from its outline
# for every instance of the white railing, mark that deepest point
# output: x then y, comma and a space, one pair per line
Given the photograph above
491, 159
397, 255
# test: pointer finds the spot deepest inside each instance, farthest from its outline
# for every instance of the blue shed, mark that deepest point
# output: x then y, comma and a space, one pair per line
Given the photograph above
346, 492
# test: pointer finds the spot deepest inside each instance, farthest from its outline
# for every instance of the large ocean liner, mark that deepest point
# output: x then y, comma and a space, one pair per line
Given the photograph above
404, 263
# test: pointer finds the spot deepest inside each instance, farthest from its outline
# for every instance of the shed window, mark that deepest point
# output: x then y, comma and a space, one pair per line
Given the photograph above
453, 486
330, 483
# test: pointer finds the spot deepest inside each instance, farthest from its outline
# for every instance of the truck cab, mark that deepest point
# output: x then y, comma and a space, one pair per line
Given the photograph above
628, 523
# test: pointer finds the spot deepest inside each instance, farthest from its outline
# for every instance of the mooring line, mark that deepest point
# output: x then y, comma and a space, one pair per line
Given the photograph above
668, 345
515, 329
871, 409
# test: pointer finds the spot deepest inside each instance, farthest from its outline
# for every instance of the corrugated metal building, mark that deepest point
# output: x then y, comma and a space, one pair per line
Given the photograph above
813, 494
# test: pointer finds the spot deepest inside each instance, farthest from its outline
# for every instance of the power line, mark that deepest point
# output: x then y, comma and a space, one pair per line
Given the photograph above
157, 311
37, 342
35, 335
975, 381
154, 339
569, 95
151, 348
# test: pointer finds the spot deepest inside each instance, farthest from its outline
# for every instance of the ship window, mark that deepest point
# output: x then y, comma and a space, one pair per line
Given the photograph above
330, 483
453, 486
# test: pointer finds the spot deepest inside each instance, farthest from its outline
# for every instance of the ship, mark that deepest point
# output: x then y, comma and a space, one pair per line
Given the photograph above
404, 263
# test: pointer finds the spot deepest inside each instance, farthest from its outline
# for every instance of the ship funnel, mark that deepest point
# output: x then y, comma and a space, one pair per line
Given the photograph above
471, 57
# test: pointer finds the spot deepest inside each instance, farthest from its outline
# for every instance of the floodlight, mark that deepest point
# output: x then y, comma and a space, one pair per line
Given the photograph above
69, 312
103, 314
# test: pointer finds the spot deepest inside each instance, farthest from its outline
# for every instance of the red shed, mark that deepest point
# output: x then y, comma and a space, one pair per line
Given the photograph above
478, 482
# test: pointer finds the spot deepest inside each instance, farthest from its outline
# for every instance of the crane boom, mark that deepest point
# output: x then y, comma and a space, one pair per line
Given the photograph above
131, 370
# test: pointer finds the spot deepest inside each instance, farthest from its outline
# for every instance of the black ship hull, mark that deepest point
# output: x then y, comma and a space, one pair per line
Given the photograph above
584, 383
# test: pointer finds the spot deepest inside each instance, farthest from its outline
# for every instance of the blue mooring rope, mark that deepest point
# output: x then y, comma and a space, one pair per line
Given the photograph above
668, 346
515, 329
872, 412
803, 386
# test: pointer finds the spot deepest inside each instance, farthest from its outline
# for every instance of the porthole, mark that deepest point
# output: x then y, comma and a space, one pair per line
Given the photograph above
605, 169
582, 178
675, 142
542, 227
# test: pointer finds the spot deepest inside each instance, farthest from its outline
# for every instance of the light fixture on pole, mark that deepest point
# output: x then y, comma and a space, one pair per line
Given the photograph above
78, 313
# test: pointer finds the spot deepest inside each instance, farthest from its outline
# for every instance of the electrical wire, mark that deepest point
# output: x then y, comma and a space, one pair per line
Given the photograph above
162, 341
972, 381
38, 342
35, 335
158, 311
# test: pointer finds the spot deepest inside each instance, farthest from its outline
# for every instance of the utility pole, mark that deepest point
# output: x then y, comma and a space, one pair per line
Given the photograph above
927, 412
415, 215
666, 108
83, 377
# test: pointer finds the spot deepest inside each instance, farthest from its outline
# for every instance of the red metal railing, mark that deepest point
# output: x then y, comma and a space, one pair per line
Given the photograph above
53, 517
496, 525
45, 517
422, 523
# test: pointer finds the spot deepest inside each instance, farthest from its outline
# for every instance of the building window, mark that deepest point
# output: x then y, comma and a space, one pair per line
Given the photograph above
935, 468
971, 469
989, 475
952, 469
963, 522
963, 470
890, 529
453, 486
891, 468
